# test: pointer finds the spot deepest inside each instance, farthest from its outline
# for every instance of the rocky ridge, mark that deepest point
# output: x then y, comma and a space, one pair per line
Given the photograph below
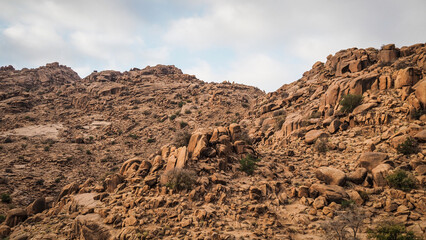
314, 159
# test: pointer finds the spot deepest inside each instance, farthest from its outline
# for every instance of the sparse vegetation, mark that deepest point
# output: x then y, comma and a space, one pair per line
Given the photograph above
391, 231
350, 102
321, 145
5, 197
180, 179
402, 180
46, 148
172, 117
180, 104
183, 124
409, 146
347, 203
248, 164
182, 139
416, 114
8, 140
134, 136
187, 111
2, 218
345, 225
88, 152
150, 140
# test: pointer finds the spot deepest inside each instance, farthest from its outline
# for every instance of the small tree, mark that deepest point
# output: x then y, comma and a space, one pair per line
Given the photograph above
391, 231
401, 179
180, 179
345, 225
350, 102
409, 146
248, 164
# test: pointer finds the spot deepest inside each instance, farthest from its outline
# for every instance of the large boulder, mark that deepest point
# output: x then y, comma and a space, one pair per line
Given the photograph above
358, 176
364, 107
90, 227
68, 189
38, 206
388, 54
182, 157
421, 136
406, 77
313, 135
370, 160
332, 193
15, 216
379, 174
421, 93
130, 167
331, 175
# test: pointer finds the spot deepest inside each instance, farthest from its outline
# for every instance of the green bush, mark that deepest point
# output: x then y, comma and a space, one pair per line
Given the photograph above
187, 111
321, 145
172, 117
183, 124
150, 140
350, 102
401, 179
182, 139
2, 218
180, 179
5, 197
409, 146
391, 231
248, 164
416, 114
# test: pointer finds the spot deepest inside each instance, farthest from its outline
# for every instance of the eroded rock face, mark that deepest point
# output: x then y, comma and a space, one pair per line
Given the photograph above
331, 175
370, 160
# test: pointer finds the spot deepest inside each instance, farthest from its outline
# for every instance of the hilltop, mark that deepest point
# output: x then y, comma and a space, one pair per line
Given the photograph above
155, 153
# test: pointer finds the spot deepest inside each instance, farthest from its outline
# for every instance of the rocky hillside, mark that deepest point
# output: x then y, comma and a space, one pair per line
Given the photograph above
158, 154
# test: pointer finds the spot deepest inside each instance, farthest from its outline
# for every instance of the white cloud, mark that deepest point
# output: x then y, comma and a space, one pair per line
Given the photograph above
268, 42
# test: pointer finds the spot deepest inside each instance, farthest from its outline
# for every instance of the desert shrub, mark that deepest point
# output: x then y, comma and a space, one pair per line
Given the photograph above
321, 145
345, 225
46, 148
8, 140
180, 104
187, 111
391, 231
146, 112
182, 139
401, 179
245, 105
134, 136
347, 203
5, 197
180, 179
350, 102
88, 152
150, 140
183, 124
248, 164
416, 114
2, 218
409, 146
172, 117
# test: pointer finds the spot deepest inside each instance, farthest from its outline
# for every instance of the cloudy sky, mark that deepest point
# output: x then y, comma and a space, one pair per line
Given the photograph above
265, 43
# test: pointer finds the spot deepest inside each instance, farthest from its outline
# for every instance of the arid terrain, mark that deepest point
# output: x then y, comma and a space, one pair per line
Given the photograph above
155, 153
